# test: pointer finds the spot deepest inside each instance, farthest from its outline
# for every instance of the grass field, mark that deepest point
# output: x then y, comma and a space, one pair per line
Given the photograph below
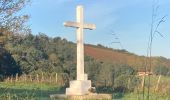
27, 91
139, 96
42, 91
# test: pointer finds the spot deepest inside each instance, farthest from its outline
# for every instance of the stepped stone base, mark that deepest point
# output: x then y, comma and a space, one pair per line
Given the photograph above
78, 87
82, 97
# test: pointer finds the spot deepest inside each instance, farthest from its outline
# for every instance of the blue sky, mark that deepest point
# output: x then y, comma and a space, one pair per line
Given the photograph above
129, 19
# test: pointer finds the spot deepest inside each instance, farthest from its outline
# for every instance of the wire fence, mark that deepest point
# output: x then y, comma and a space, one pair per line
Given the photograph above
59, 79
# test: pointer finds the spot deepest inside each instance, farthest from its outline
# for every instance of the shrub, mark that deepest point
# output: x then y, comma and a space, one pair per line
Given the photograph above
161, 70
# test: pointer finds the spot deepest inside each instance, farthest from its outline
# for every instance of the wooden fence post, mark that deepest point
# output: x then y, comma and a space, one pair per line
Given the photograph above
42, 77
11, 79
30, 78
25, 78
37, 78
143, 81
50, 78
157, 85
8, 79
16, 77
56, 77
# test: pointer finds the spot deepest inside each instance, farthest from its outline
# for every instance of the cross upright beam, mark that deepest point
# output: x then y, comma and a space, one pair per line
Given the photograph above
80, 26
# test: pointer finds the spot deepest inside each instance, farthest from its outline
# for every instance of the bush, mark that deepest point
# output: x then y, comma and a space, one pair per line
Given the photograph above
161, 70
125, 83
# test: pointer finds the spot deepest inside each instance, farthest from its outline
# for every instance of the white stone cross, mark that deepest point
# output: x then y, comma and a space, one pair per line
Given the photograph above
80, 25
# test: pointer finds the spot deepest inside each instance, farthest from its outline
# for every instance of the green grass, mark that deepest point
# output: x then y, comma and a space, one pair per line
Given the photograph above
42, 91
27, 91
139, 96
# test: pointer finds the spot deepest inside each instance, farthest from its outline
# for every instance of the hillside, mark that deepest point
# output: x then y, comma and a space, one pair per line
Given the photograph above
122, 56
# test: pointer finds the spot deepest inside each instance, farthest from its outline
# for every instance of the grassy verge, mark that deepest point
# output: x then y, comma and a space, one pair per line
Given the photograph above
42, 91
27, 91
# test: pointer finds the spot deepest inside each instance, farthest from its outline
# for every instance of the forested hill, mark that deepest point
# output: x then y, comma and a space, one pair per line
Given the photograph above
35, 54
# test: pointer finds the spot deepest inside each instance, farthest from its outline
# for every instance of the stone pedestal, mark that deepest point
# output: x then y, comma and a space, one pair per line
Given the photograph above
81, 97
78, 87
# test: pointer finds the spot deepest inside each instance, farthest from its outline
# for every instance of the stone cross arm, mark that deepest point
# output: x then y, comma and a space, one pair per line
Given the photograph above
78, 25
